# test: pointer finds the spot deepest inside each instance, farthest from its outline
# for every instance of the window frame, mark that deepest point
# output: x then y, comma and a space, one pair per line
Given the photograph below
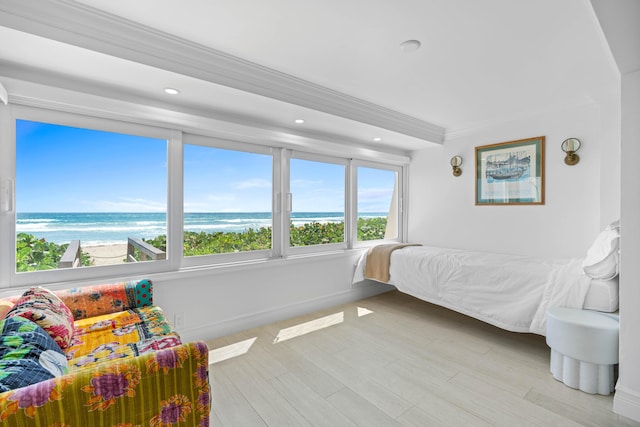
229, 258
8, 263
402, 173
289, 250
179, 130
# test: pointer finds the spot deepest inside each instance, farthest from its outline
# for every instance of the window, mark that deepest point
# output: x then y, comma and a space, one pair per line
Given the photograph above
377, 204
96, 197
317, 215
227, 201
87, 196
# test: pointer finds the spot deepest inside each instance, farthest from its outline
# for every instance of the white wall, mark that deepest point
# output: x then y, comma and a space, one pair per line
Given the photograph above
627, 399
215, 302
610, 186
442, 209
223, 301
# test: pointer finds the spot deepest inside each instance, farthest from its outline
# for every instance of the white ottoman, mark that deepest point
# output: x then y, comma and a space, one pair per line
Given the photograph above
584, 348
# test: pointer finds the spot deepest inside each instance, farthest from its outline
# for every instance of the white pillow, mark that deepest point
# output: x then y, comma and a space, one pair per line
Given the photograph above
602, 258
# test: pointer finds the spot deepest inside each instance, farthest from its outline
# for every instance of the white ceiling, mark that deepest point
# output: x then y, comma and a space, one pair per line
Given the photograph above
481, 61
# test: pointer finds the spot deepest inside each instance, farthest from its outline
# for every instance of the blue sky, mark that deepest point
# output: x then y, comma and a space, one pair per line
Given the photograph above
65, 169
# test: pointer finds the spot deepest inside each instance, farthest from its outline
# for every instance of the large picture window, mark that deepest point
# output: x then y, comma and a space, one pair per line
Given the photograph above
84, 197
377, 208
227, 201
87, 197
318, 202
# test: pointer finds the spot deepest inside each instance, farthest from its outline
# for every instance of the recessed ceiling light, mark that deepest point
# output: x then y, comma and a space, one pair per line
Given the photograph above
377, 139
410, 45
171, 91
299, 121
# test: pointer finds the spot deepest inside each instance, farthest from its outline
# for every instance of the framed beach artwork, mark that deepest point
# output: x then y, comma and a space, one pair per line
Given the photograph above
510, 173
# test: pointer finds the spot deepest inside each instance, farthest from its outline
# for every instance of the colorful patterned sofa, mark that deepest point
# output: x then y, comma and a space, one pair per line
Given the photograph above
126, 366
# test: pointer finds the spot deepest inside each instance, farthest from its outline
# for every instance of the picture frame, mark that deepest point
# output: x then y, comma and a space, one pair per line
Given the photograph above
510, 173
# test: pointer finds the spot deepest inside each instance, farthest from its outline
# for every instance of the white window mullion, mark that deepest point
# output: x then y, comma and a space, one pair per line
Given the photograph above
284, 199
7, 180
351, 214
403, 202
280, 187
175, 210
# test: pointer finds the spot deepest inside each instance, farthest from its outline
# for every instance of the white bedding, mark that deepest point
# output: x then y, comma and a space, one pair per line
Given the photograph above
509, 291
602, 295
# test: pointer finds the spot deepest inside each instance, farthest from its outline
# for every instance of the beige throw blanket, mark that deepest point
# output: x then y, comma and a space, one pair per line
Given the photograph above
379, 259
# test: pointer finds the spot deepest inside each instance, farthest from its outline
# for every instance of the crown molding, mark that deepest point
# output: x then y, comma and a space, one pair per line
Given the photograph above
94, 104
80, 25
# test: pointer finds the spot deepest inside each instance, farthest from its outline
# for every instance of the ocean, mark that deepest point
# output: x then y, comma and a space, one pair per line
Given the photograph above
94, 228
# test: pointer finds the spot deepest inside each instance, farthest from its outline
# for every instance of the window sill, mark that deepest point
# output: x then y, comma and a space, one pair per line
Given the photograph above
231, 267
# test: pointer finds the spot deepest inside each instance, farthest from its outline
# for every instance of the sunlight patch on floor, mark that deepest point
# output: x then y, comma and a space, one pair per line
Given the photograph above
363, 311
230, 351
308, 327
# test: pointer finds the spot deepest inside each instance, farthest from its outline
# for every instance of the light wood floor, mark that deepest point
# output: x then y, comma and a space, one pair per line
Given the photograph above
392, 360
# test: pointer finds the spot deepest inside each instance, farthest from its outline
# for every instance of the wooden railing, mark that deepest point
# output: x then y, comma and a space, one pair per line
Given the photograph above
147, 252
72, 256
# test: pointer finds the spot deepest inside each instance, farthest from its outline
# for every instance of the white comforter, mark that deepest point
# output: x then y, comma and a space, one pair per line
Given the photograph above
509, 291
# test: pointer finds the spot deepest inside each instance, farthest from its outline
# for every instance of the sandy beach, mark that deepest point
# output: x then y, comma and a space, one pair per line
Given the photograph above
107, 254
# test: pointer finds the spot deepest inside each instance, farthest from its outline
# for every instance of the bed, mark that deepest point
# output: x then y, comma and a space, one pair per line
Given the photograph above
509, 291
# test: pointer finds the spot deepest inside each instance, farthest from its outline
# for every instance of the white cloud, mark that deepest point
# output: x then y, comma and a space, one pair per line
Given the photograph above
375, 194
127, 205
229, 202
304, 183
251, 183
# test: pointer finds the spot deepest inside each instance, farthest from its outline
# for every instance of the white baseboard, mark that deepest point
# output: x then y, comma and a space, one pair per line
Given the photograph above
626, 402
252, 320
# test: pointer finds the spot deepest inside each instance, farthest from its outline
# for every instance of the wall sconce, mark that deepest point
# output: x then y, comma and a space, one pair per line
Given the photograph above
570, 146
456, 161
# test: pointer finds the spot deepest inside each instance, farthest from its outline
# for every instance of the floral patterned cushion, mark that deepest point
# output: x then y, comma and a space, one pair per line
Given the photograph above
5, 307
28, 355
47, 310
119, 335
91, 301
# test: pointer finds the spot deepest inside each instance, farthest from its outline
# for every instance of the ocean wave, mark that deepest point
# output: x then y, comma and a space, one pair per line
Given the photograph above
84, 228
300, 223
226, 227
35, 220
321, 220
30, 228
104, 229
243, 220
150, 223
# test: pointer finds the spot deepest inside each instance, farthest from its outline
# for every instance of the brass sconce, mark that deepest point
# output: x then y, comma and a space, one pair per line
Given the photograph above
570, 146
456, 161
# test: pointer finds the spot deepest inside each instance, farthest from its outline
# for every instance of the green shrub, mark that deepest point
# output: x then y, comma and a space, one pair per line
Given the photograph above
313, 233
34, 254
371, 228
38, 254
